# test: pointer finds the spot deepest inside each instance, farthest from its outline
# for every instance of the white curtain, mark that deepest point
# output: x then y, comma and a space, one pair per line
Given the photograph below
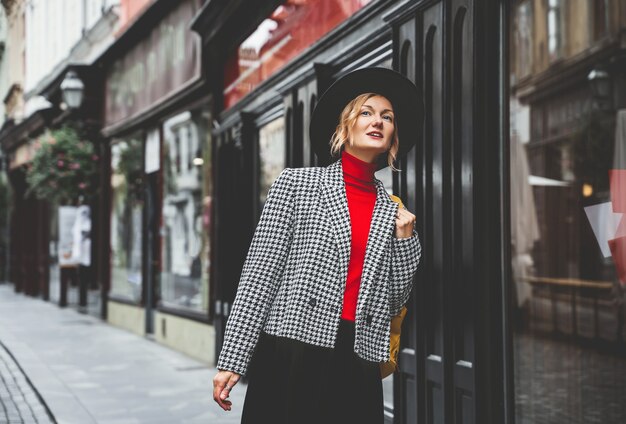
524, 225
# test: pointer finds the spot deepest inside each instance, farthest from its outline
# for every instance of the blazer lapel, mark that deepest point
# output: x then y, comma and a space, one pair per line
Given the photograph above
334, 196
381, 227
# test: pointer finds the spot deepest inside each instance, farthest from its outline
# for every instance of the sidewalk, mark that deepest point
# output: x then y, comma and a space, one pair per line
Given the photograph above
87, 371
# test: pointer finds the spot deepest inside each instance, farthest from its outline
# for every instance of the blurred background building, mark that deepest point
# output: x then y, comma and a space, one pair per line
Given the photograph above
4, 185
194, 107
567, 105
47, 40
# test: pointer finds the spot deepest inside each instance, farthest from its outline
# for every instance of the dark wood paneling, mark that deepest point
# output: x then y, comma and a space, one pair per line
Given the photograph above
406, 406
451, 360
448, 49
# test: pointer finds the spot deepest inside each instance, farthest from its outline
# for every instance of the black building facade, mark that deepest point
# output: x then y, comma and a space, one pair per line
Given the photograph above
454, 360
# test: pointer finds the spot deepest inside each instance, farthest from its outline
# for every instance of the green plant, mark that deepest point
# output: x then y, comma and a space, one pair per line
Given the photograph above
64, 167
130, 166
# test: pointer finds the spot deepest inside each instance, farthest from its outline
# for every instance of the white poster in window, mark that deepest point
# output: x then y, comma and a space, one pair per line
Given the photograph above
67, 216
81, 233
153, 153
271, 154
605, 224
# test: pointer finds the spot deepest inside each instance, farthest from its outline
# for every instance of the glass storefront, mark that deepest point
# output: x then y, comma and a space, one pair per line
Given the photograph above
568, 230
185, 228
126, 218
291, 29
272, 155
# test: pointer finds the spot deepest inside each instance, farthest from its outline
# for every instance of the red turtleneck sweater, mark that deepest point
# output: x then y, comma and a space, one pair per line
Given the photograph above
358, 177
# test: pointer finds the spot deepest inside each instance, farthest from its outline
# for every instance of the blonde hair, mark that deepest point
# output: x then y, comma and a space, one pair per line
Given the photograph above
347, 120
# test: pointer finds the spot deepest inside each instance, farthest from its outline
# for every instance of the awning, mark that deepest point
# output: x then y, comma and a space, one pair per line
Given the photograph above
542, 181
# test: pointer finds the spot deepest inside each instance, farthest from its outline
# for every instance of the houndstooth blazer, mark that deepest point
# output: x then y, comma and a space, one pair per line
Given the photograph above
293, 279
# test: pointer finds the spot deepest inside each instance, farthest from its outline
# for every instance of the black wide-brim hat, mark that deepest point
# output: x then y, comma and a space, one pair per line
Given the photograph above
397, 88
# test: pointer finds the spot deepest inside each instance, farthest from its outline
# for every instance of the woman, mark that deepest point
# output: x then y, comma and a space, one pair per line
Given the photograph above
331, 261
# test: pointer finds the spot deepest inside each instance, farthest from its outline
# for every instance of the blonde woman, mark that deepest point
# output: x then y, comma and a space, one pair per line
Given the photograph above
331, 261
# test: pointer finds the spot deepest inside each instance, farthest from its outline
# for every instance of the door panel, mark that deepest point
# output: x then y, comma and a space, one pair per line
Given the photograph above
448, 49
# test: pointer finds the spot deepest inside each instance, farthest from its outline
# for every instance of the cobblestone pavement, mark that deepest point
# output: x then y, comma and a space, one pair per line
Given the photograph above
561, 382
19, 402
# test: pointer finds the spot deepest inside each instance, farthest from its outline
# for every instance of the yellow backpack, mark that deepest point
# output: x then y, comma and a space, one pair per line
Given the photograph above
389, 367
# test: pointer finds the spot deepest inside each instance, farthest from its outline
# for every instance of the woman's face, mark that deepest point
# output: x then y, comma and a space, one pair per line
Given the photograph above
373, 131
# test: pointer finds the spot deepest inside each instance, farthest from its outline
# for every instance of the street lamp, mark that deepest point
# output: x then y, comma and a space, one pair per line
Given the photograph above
600, 83
72, 89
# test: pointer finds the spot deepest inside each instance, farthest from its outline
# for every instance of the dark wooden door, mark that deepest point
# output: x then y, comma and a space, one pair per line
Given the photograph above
452, 352
235, 198
224, 269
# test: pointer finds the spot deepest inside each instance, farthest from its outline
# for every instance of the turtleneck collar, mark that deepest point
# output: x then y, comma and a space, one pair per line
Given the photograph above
357, 168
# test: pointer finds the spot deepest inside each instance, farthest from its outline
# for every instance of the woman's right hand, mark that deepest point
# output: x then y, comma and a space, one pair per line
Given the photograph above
223, 384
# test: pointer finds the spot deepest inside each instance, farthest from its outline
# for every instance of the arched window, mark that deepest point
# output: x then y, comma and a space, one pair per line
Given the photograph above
555, 29
600, 18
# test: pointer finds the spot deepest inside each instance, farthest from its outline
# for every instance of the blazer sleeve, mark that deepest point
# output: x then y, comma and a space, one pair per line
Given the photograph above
405, 256
260, 276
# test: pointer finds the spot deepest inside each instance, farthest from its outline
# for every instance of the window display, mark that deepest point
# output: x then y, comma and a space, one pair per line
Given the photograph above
126, 218
185, 228
291, 28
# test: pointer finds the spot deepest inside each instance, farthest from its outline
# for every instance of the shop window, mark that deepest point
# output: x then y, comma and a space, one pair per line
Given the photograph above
126, 218
523, 39
271, 155
292, 28
568, 237
600, 18
555, 29
185, 225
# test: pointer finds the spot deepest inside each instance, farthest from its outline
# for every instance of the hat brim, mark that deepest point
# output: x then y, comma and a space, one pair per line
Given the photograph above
397, 88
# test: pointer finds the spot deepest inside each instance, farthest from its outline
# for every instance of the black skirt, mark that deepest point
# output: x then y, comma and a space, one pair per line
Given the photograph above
291, 382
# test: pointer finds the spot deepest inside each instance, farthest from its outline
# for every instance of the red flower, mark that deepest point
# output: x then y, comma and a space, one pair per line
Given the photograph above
60, 163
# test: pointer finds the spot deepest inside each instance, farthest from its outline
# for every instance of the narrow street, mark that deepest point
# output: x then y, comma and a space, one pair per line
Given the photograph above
82, 370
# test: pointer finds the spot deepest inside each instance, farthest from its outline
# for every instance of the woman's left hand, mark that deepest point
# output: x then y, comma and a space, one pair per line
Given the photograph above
405, 221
